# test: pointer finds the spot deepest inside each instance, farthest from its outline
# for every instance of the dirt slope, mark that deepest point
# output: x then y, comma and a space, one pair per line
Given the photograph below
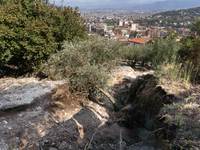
47, 116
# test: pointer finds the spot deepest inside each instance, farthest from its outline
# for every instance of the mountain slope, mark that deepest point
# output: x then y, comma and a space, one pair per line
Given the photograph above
191, 12
170, 5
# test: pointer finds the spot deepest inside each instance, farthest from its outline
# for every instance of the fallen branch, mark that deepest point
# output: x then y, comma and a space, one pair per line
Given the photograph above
87, 146
110, 97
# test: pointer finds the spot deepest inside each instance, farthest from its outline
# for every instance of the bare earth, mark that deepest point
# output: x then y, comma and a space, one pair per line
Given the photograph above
45, 115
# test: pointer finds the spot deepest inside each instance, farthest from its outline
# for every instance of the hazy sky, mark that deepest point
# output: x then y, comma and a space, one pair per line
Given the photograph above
96, 3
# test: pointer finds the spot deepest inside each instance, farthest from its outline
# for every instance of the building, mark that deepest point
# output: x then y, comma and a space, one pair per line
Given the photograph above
98, 28
120, 23
184, 32
163, 32
153, 32
134, 26
136, 41
145, 38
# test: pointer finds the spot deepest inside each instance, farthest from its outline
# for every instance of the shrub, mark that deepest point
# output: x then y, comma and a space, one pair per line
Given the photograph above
32, 30
164, 51
155, 53
189, 56
85, 64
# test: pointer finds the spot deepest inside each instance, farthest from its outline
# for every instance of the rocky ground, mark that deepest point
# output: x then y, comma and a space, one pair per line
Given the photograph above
45, 115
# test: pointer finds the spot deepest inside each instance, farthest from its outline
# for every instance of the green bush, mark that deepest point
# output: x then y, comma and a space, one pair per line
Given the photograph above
85, 64
155, 53
32, 30
189, 53
164, 51
189, 56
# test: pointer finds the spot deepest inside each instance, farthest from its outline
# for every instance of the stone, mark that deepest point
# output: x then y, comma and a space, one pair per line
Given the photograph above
21, 92
64, 146
3, 145
52, 148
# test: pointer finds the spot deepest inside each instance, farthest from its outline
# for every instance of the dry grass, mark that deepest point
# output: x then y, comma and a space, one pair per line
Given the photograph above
184, 112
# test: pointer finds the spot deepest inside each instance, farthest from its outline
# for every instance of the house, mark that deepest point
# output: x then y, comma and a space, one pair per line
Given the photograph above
178, 38
134, 26
145, 38
118, 35
123, 39
136, 41
110, 37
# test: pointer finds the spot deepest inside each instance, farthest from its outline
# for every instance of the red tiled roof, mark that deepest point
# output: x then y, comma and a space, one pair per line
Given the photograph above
139, 41
124, 42
118, 34
145, 37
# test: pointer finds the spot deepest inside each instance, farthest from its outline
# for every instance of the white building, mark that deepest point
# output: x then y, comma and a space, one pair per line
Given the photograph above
134, 26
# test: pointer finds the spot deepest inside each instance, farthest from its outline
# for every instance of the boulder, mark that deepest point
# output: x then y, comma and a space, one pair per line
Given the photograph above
22, 92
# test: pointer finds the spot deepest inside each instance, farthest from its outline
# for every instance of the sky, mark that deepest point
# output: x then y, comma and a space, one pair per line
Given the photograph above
101, 3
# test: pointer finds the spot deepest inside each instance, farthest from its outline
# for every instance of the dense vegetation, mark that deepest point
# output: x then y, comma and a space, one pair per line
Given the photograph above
189, 53
85, 64
154, 53
32, 30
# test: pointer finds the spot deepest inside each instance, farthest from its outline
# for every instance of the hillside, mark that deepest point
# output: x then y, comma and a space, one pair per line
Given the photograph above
170, 5
191, 12
180, 18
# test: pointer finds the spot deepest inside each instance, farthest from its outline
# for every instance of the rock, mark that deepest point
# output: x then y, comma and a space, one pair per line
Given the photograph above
5, 122
22, 92
64, 146
3, 145
142, 148
64, 125
128, 85
52, 148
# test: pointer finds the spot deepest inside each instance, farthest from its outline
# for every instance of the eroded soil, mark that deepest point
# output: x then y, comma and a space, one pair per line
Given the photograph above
60, 120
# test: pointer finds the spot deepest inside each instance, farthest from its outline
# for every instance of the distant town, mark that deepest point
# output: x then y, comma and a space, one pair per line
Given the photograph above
134, 26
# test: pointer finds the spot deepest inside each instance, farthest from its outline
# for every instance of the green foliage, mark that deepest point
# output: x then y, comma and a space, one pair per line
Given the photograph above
30, 31
171, 34
189, 53
164, 51
183, 114
156, 53
183, 39
196, 28
2, 2
189, 56
85, 64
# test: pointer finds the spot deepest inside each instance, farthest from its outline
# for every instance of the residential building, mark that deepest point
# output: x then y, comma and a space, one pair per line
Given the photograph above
134, 26
136, 41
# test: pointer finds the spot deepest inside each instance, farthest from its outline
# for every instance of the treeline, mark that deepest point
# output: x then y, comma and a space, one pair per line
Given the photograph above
153, 53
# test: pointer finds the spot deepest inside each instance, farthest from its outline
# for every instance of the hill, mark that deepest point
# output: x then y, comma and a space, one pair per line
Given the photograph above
169, 5
191, 12
180, 18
